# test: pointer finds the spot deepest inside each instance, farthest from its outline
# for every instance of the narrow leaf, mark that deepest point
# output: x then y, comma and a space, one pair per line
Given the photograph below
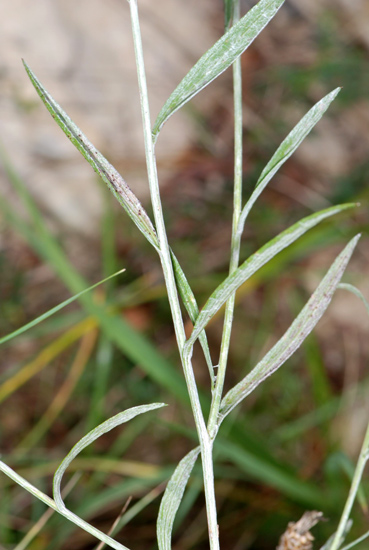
114, 181
110, 176
220, 56
286, 149
189, 301
356, 291
172, 499
94, 434
55, 309
255, 262
295, 335
106, 171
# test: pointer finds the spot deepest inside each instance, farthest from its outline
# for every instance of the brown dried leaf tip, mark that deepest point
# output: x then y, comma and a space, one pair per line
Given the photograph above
297, 535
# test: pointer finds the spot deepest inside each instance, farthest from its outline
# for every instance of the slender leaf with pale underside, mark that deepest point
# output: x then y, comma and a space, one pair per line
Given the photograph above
53, 310
106, 171
94, 434
172, 499
285, 150
294, 336
255, 262
120, 190
218, 58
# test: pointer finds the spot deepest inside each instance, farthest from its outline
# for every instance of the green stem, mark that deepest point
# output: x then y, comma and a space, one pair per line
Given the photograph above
236, 237
165, 258
363, 458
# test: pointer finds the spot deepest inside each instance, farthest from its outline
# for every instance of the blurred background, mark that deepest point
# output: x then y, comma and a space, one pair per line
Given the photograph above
293, 444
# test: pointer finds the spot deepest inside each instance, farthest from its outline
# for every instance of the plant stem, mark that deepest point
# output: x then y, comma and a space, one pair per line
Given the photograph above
236, 237
64, 512
164, 252
363, 458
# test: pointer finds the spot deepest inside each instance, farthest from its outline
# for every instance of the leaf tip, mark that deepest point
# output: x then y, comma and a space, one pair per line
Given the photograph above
354, 241
25, 64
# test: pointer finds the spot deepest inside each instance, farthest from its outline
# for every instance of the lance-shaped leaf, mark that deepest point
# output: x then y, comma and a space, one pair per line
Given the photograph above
55, 309
255, 262
172, 499
220, 56
94, 434
113, 180
295, 335
99, 163
285, 150
120, 190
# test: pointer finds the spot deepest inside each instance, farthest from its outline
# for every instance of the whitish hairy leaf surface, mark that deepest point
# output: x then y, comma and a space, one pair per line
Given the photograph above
172, 499
295, 335
216, 60
286, 149
255, 262
108, 173
94, 434
55, 309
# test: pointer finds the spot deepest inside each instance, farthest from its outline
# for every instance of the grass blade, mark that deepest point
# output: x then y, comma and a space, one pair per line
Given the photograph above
94, 434
255, 262
286, 149
295, 335
117, 330
106, 171
172, 499
54, 310
220, 56
265, 471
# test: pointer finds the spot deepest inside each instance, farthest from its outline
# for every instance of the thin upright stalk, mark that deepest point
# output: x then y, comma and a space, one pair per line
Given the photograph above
164, 252
363, 459
236, 237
